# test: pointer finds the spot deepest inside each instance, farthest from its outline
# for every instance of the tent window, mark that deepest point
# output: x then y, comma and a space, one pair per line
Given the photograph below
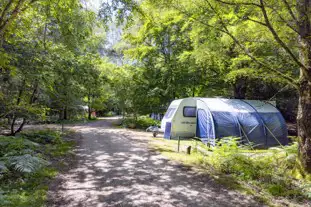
190, 111
169, 113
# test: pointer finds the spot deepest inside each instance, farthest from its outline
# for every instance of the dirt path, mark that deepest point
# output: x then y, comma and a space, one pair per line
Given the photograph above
114, 167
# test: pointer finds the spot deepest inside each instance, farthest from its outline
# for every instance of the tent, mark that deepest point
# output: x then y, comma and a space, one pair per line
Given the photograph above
211, 118
254, 121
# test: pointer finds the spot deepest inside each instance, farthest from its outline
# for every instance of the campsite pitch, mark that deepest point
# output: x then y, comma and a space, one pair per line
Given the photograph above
114, 167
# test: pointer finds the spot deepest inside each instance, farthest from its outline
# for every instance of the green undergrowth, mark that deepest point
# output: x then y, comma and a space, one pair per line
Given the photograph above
141, 122
269, 175
76, 121
26, 166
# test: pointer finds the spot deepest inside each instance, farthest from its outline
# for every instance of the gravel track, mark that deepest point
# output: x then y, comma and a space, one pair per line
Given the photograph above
114, 167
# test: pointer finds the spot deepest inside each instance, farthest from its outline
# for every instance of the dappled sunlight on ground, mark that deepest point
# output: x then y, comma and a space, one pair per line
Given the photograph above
115, 168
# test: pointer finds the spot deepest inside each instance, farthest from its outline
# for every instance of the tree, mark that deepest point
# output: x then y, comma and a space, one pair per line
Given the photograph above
280, 29
41, 48
285, 21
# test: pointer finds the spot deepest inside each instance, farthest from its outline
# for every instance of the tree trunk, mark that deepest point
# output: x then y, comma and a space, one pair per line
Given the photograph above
20, 128
89, 107
12, 126
65, 117
304, 105
304, 124
60, 114
239, 88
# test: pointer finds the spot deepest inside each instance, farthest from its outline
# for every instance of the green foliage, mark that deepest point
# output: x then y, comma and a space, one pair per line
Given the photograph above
25, 166
49, 61
29, 191
26, 163
110, 114
3, 168
15, 146
267, 174
48, 136
142, 122
274, 170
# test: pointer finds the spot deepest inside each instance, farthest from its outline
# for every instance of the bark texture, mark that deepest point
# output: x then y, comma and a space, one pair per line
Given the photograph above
304, 106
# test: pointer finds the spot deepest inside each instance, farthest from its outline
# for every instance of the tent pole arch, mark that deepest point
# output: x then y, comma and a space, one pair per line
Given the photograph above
241, 127
260, 119
212, 120
265, 126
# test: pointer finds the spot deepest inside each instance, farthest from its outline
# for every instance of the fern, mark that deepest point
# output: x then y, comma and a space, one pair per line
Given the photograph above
3, 168
26, 163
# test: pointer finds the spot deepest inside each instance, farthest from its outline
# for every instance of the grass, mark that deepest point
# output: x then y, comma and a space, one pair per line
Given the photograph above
273, 176
20, 186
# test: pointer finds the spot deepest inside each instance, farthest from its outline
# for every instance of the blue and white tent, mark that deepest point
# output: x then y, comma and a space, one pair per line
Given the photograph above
254, 121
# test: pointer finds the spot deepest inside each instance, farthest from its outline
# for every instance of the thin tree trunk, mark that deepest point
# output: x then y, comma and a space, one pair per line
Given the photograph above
12, 125
18, 100
89, 106
31, 101
304, 105
239, 88
20, 128
65, 113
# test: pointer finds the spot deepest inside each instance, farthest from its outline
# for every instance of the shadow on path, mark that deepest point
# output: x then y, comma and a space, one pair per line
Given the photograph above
115, 168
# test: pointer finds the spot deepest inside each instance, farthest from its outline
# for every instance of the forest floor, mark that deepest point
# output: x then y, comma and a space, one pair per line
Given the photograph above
115, 167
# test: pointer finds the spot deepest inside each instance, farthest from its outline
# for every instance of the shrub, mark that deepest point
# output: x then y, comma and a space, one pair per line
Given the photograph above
275, 170
141, 122
26, 163
144, 122
109, 114
24, 166
15, 145
48, 136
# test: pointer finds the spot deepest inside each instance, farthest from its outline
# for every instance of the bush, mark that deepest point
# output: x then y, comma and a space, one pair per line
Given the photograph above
110, 114
274, 170
48, 136
141, 122
15, 145
26, 163
24, 166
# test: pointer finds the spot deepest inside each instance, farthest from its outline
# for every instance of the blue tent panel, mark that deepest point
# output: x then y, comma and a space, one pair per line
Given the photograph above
205, 127
277, 126
167, 132
225, 124
252, 120
202, 124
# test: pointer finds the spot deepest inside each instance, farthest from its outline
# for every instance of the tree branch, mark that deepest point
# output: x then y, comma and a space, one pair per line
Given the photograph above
225, 30
291, 80
288, 23
290, 11
238, 3
6, 9
256, 21
12, 16
278, 39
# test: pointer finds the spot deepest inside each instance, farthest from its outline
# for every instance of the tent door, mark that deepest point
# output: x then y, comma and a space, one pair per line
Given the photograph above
167, 132
204, 128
